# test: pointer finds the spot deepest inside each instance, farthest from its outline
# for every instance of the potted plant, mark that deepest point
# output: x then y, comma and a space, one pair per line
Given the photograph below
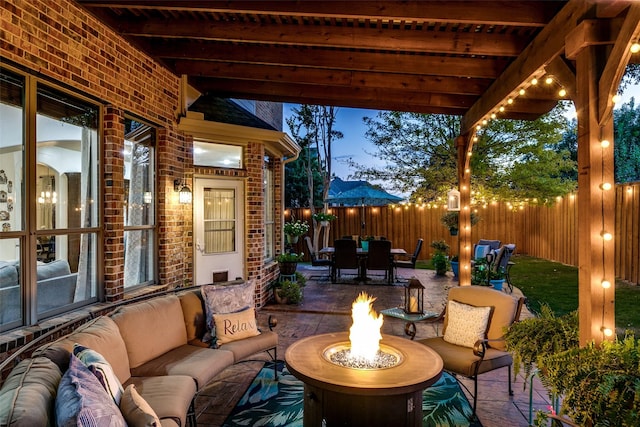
598, 383
455, 265
496, 279
364, 242
288, 262
323, 218
288, 292
439, 258
294, 229
533, 339
451, 221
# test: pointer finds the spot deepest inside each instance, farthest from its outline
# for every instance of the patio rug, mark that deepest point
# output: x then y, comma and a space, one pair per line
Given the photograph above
272, 403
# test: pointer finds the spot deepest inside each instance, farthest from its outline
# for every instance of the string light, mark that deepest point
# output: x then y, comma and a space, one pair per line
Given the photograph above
605, 143
635, 47
562, 92
548, 80
605, 186
606, 235
606, 331
501, 109
509, 101
605, 284
615, 98
522, 92
534, 81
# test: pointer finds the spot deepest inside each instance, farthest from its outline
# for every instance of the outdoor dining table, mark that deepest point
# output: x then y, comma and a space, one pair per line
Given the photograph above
362, 253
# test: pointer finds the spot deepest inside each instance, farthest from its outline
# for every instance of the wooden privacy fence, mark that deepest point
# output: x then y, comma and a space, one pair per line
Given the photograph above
548, 232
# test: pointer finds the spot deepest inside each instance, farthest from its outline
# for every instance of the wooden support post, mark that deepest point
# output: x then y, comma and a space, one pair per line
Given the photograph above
596, 207
464, 145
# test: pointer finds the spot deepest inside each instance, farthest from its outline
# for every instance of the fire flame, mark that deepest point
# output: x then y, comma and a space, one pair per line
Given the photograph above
364, 333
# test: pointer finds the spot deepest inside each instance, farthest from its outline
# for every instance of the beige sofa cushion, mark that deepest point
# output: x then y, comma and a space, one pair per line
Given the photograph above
28, 394
248, 346
194, 315
169, 396
201, 364
151, 328
103, 336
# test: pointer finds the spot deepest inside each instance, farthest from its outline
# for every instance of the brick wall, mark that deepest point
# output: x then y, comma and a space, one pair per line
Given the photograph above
62, 44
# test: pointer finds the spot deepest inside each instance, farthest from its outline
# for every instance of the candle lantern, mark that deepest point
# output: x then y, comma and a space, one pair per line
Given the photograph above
453, 200
414, 297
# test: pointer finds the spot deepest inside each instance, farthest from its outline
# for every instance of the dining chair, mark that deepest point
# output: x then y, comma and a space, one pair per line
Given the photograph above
345, 256
315, 261
379, 258
409, 263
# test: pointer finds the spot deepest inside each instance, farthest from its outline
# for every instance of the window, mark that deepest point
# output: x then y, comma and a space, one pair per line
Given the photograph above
55, 240
217, 155
220, 220
139, 212
269, 211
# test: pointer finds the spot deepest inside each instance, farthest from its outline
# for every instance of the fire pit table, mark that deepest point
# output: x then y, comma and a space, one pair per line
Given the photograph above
336, 395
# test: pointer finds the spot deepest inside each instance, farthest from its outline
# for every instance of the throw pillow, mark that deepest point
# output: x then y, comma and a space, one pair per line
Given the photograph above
231, 298
481, 251
466, 324
101, 369
236, 326
136, 410
82, 400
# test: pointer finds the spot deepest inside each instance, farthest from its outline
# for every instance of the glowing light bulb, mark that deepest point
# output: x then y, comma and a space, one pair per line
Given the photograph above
605, 284
501, 109
534, 81
607, 332
522, 92
606, 235
605, 143
562, 92
635, 48
493, 115
467, 170
548, 80
509, 101
478, 127
475, 139
605, 186
615, 98
484, 123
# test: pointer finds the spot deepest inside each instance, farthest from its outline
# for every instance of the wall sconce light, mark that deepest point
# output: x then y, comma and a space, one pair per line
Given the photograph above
185, 192
147, 197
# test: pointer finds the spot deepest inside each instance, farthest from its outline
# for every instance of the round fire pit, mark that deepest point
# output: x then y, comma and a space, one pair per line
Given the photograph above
336, 395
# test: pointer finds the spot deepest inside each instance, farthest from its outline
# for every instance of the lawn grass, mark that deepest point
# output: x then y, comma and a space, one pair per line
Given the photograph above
555, 284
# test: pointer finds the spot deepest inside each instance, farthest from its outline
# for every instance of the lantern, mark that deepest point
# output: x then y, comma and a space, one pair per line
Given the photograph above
414, 297
453, 200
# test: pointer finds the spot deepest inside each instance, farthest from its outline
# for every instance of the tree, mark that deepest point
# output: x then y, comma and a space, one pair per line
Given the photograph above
627, 142
313, 127
513, 160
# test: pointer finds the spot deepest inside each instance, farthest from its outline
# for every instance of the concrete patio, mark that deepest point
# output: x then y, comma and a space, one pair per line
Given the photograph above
327, 308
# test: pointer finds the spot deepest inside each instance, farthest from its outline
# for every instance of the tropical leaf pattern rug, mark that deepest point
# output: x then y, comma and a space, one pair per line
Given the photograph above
271, 403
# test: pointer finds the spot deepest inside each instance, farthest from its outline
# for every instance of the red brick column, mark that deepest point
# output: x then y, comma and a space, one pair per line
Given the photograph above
113, 203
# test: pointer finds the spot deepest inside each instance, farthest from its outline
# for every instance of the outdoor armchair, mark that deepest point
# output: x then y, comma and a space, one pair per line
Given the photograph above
475, 320
344, 257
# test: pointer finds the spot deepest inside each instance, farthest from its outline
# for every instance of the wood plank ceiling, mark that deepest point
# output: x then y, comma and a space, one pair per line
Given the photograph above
451, 57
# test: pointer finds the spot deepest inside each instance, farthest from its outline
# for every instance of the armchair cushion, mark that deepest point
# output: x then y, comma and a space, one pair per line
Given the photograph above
466, 323
462, 359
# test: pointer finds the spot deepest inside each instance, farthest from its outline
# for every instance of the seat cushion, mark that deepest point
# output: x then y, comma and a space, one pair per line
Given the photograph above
461, 360
29, 392
248, 346
169, 396
136, 411
201, 364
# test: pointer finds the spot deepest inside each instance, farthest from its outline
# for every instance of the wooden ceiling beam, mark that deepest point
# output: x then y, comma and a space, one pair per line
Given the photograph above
525, 13
336, 78
371, 98
389, 62
546, 46
467, 43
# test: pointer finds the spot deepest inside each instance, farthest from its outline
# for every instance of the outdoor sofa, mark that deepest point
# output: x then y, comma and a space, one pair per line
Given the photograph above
156, 345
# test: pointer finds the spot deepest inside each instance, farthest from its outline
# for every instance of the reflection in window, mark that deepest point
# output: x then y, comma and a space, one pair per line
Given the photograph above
217, 155
139, 172
219, 220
